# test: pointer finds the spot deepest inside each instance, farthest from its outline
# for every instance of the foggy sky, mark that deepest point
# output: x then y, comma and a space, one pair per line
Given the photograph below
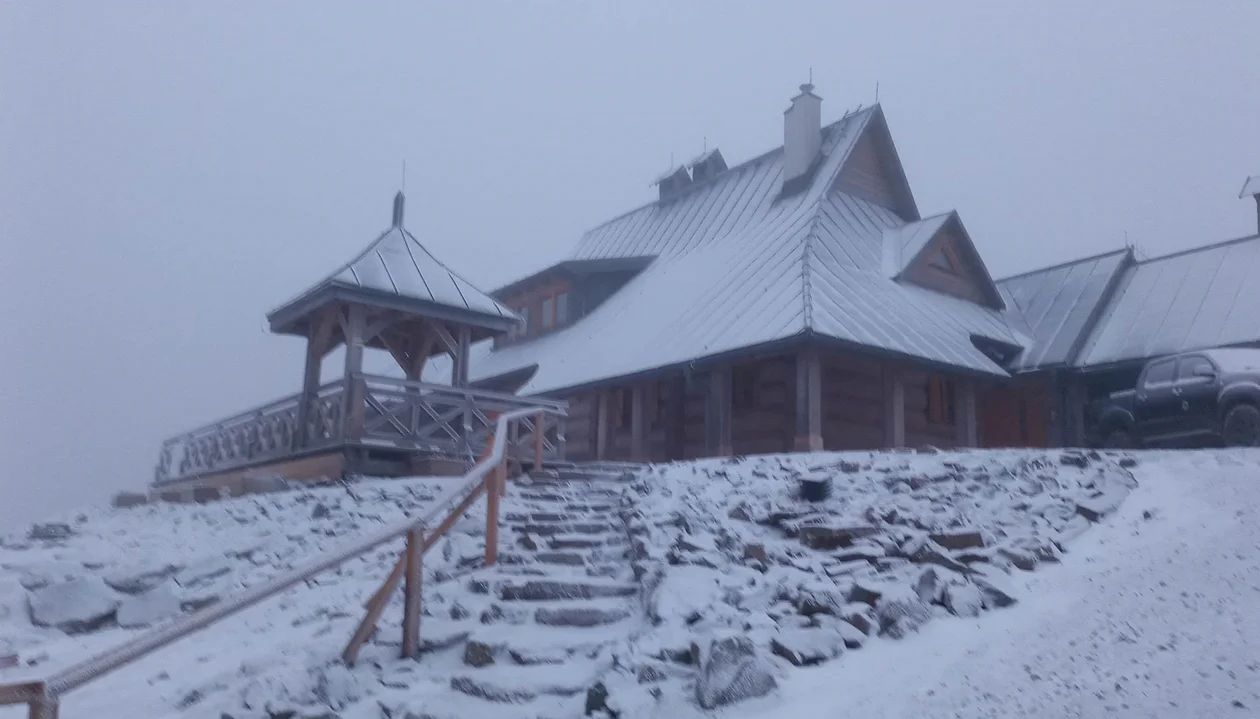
169, 172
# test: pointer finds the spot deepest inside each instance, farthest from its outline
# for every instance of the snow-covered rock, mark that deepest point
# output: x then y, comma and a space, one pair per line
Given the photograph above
733, 671
156, 605
74, 606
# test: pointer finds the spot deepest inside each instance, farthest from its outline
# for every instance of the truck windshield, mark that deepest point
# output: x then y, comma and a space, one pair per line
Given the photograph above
1237, 360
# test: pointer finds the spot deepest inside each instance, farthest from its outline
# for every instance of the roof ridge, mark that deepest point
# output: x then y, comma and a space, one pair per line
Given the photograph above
1061, 265
730, 172
1200, 248
499, 306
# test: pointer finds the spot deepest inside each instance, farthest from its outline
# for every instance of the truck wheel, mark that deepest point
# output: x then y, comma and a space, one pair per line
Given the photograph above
1242, 426
1119, 439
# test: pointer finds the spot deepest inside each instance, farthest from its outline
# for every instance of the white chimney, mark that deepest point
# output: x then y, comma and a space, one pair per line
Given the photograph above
802, 134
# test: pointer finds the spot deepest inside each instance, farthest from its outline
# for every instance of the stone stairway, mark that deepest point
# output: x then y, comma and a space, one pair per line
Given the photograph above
555, 610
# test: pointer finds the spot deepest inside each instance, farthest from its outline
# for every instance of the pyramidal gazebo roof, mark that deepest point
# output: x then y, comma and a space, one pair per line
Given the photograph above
396, 272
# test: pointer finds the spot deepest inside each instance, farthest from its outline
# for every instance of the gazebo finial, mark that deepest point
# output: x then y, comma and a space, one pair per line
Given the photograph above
398, 209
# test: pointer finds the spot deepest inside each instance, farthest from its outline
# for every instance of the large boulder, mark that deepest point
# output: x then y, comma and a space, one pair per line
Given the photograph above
74, 606
964, 600
901, 612
139, 579
732, 673
155, 605
806, 646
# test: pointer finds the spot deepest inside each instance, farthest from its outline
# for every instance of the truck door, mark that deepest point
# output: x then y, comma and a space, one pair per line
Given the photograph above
1156, 409
1196, 391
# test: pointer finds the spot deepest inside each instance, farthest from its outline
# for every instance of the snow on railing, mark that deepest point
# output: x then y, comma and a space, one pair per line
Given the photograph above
488, 475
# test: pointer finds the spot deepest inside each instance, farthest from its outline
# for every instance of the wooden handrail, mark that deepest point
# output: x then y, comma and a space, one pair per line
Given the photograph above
44, 696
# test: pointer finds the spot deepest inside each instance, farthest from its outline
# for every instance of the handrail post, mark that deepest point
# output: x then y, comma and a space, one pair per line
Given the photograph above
45, 706
411, 595
494, 488
539, 432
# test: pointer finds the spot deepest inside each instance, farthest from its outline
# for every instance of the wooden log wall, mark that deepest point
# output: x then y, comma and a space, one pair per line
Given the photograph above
763, 419
852, 402
579, 428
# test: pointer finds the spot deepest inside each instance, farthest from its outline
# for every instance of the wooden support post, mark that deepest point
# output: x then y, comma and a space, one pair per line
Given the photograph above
44, 707
317, 341
355, 389
494, 488
411, 595
808, 401
718, 412
375, 606
540, 429
894, 408
965, 413
601, 424
638, 424
459, 367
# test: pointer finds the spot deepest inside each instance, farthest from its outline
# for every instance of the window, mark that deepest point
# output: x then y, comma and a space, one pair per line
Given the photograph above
548, 316
744, 380
528, 326
1190, 369
1158, 374
940, 401
562, 308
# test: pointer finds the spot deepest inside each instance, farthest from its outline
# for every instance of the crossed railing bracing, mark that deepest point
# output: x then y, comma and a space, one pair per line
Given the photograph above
437, 420
488, 476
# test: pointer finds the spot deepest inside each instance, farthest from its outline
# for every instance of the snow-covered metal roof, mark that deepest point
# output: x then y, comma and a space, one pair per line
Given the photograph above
1054, 307
395, 270
1250, 187
739, 266
1198, 299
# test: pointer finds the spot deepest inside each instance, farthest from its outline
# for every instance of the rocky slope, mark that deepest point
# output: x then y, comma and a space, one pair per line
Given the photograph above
691, 587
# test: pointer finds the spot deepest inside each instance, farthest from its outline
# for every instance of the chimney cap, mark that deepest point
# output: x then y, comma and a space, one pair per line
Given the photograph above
399, 200
807, 88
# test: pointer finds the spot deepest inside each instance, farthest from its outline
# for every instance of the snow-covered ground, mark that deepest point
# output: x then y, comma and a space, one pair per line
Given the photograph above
1152, 611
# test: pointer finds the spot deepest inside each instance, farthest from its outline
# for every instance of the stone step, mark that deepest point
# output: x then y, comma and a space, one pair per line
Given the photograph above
580, 616
585, 541
548, 528
513, 684
550, 589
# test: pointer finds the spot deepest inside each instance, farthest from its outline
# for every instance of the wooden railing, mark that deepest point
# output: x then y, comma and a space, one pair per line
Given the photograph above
488, 476
437, 420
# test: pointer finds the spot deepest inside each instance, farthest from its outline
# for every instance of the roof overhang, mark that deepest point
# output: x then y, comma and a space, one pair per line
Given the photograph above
293, 317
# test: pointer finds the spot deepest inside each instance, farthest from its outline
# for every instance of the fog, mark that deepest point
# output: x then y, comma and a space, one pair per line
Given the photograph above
169, 172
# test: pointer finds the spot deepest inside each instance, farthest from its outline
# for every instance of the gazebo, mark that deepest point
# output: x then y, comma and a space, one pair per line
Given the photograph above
393, 296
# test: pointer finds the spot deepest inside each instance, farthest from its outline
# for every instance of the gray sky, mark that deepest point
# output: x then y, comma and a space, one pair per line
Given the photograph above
169, 172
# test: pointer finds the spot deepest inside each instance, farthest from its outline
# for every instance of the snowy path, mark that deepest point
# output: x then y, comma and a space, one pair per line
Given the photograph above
1146, 617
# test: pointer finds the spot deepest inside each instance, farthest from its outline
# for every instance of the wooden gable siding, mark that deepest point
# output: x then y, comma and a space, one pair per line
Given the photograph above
866, 174
961, 279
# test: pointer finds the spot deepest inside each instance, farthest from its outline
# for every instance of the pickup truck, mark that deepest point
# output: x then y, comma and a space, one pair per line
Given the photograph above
1194, 399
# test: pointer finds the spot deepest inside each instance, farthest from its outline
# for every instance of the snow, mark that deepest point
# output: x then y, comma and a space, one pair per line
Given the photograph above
1151, 614
1147, 612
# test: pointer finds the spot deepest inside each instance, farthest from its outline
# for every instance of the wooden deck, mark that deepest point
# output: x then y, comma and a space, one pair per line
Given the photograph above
377, 425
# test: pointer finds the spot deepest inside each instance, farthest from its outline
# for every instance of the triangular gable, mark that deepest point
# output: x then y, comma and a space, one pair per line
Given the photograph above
943, 258
873, 171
